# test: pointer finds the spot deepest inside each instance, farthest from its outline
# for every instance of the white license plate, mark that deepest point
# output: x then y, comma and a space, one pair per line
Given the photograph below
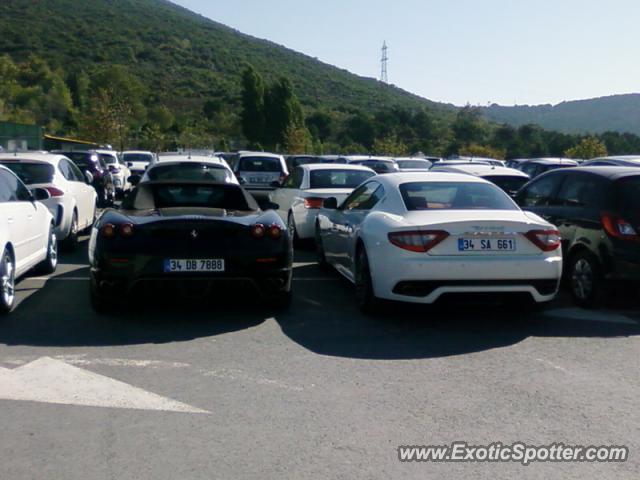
258, 180
487, 244
193, 265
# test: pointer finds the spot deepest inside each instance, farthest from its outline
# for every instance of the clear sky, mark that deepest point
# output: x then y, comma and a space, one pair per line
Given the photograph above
459, 51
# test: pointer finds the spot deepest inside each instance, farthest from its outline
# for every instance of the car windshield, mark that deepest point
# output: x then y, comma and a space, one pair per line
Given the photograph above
137, 157
31, 172
189, 171
338, 178
508, 183
108, 159
414, 164
81, 159
259, 164
228, 197
454, 196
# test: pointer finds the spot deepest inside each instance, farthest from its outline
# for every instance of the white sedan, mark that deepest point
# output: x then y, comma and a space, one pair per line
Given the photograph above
414, 237
300, 197
138, 160
72, 200
27, 235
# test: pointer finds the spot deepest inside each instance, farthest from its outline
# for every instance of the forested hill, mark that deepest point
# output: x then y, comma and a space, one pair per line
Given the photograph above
179, 54
619, 113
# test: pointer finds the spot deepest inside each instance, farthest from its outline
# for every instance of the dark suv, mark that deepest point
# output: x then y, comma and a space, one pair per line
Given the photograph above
89, 161
597, 211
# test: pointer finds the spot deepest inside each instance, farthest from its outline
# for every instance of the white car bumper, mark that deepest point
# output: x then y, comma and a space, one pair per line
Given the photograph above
420, 278
305, 222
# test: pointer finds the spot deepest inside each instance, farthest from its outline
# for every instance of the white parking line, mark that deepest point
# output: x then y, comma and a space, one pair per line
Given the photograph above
47, 380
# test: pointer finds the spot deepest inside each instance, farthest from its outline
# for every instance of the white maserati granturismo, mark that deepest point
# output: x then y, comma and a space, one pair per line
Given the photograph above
416, 237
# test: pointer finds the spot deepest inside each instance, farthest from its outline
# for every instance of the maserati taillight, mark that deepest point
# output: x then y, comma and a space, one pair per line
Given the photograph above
54, 192
545, 240
417, 241
313, 203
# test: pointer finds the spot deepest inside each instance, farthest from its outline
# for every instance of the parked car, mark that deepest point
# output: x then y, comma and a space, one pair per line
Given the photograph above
27, 237
72, 200
260, 172
89, 161
120, 173
205, 169
138, 160
413, 164
416, 237
194, 239
490, 161
538, 166
301, 195
597, 211
380, 165
621, 161
508, 179
294, 161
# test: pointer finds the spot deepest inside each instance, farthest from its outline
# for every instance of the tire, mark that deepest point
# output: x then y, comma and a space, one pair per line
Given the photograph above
282, 301
7, 282
320, 255
586, 280
367, 302
71, 242
293, 233
49, 264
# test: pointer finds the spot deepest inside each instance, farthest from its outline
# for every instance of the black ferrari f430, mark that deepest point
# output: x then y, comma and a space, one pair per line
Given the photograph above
189, 240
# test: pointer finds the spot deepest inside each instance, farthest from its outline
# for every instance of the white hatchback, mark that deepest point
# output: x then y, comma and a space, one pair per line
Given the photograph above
302, 194
72, 201
415, 237
27, 235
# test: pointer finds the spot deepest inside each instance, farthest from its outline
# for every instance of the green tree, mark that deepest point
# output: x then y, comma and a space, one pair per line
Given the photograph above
588, 148
252, 116
390, 146
467, 127
282, 112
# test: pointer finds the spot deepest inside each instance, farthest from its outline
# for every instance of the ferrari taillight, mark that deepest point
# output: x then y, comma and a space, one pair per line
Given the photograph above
126, 230
258, 230
108, 230
545, 240
417, 241
274, 232
618, 227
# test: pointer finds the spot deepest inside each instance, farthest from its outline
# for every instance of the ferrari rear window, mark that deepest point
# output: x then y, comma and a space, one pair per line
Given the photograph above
190, 171
228, 197
454, 196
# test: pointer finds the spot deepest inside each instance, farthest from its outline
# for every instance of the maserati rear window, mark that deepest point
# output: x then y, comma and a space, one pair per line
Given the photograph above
338, 178
454, 196
31, 172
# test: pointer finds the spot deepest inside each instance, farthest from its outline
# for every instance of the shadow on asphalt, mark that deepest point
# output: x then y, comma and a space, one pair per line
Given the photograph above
322, 319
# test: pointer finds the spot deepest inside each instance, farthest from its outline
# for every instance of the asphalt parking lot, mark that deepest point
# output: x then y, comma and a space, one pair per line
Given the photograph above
172, 389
